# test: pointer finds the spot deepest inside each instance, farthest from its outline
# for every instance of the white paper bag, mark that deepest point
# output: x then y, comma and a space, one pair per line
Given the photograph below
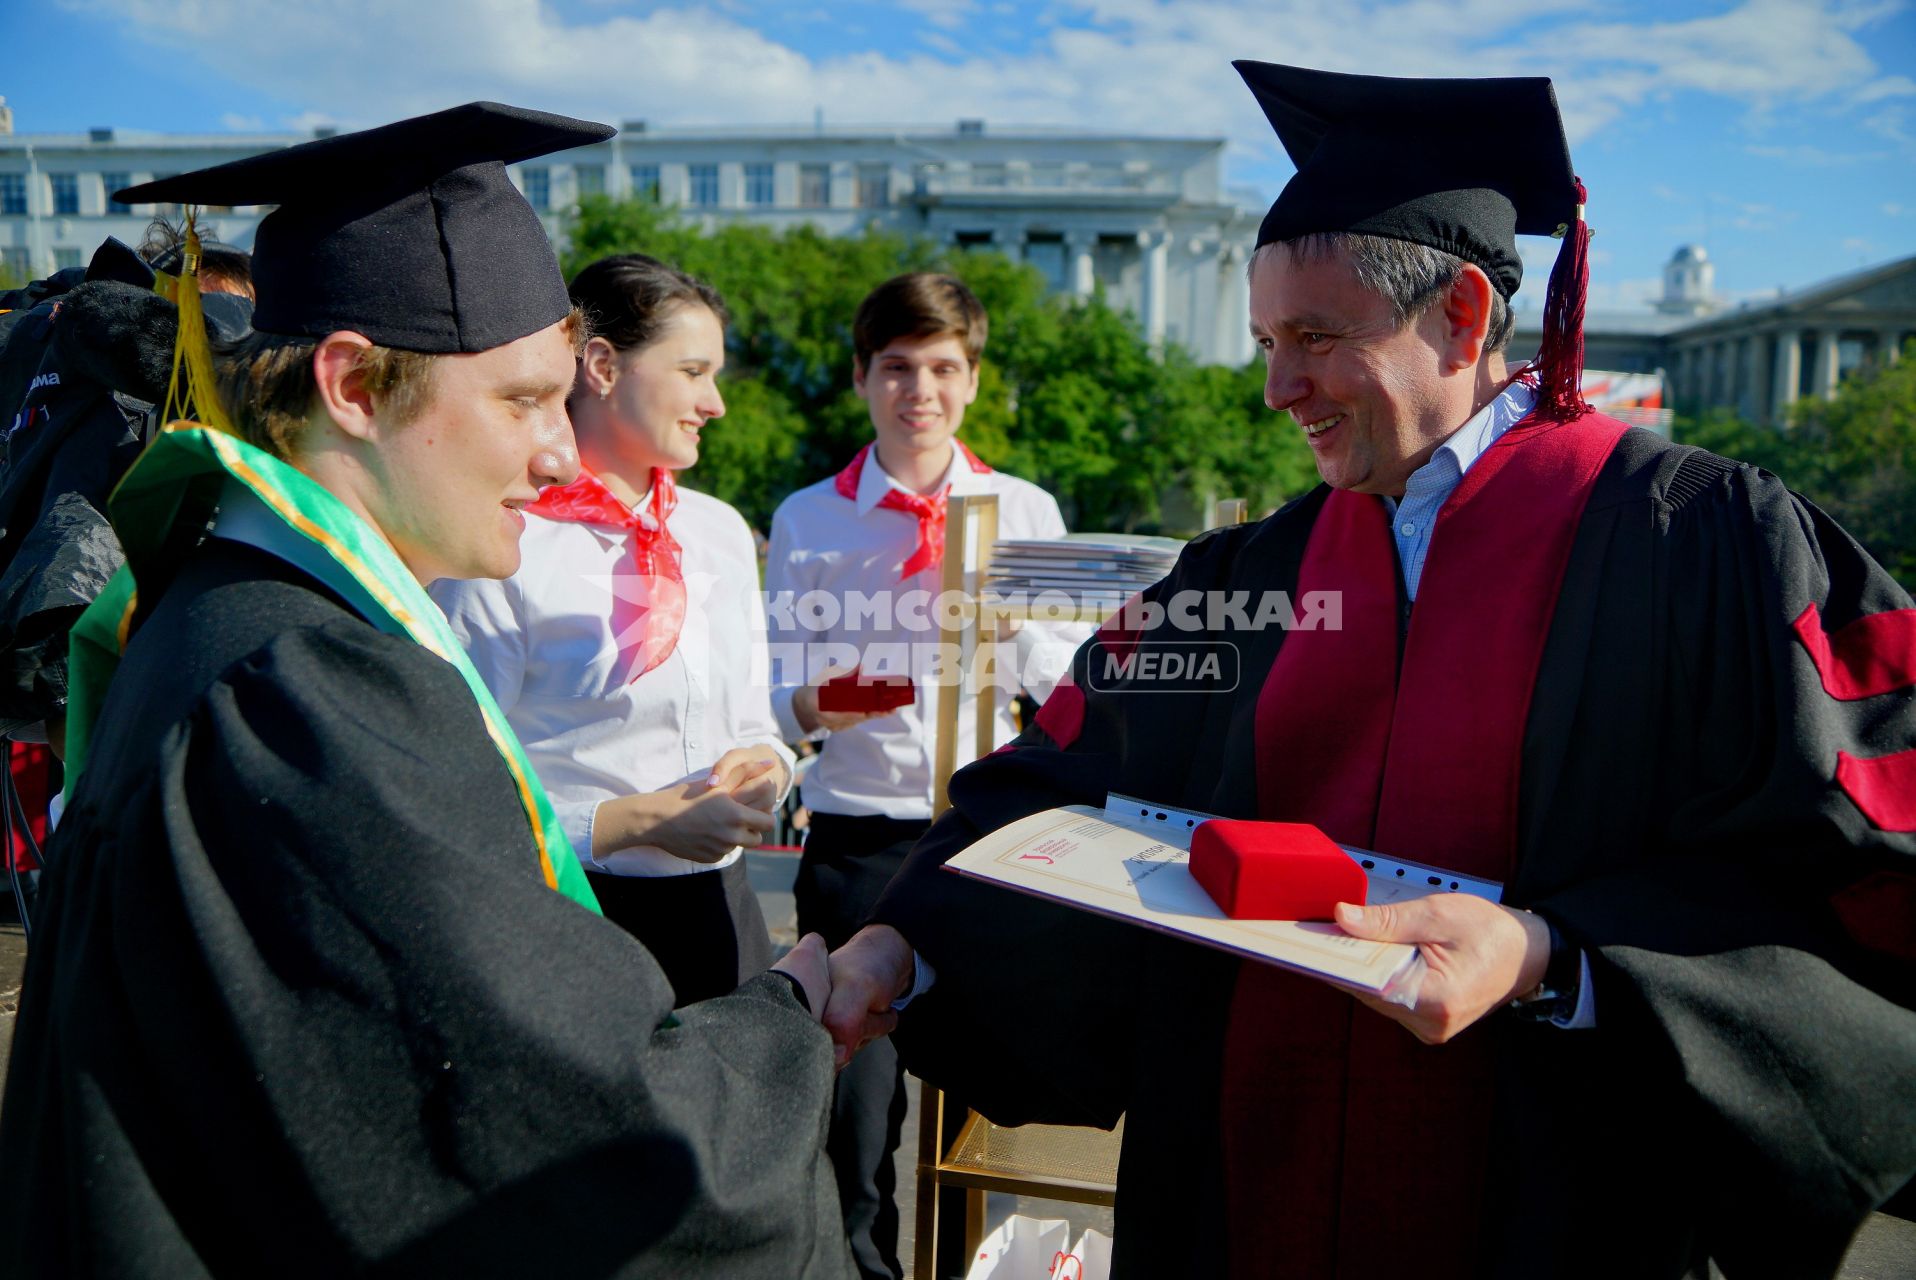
1090, 1260
1040, 1249
1022, 1249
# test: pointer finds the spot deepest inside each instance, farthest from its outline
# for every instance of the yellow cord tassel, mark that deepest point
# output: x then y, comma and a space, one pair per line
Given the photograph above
195, 396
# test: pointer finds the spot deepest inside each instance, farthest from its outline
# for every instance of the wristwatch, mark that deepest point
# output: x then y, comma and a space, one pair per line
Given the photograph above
1556, 996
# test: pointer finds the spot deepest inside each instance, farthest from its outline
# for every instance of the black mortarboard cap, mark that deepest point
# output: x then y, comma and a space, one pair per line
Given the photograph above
1381, 156
410, 234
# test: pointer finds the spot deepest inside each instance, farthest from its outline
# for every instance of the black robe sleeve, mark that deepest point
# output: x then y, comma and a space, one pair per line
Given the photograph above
303, 1006
1045, 1029
1756, 950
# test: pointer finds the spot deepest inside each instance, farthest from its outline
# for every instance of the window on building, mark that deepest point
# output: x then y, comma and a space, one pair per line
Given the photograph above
758, 184
64, 258
115, 182
973, 240
874, 186
987, 175
1046, 252
537, 184
645, 182
66, 192
814, 185
13, 193
1115, 258
589, 179
14, 267
703, 181
1850, 354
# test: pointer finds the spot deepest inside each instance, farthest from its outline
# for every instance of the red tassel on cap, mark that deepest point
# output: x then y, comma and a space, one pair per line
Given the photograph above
1560, 358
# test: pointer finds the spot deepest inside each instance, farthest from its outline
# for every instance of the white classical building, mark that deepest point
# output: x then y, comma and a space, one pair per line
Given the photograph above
1148, 219
1756, 358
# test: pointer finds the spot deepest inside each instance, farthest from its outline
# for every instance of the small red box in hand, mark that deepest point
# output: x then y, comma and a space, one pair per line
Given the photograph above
1274, 870
855, 692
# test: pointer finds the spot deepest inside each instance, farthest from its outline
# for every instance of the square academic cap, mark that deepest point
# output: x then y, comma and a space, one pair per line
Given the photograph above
1462, 166
410, 234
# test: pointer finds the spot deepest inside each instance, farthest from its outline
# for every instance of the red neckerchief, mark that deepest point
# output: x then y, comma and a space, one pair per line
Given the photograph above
646, 617
1421, 762
929, 511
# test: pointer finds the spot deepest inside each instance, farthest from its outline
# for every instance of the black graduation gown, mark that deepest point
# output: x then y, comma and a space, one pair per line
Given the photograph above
300, 1003
1749, 1092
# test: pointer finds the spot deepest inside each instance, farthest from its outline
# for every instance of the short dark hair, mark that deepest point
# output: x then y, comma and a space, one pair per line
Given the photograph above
922, 304
628, 298
1411, 277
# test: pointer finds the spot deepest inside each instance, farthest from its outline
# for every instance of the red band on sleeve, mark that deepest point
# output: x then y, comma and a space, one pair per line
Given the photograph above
1879, 911
1062, 715
1872, 655
1883, 788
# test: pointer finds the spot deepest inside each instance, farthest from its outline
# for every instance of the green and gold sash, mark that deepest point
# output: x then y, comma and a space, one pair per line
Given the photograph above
156, 510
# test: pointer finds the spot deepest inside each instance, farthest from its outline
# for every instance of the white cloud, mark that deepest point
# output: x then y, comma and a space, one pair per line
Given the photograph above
1814, 156
1893, 210
949, 14
1148, 65
237, 123
1887, 87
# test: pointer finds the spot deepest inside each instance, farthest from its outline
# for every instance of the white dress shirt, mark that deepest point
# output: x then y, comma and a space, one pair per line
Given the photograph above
543, 642
822, 543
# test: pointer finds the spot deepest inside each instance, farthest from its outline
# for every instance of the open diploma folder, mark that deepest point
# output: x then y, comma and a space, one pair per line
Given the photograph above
1131, 861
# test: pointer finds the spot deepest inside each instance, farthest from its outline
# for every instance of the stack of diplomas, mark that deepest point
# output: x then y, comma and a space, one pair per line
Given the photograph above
1131, 861
1092, 570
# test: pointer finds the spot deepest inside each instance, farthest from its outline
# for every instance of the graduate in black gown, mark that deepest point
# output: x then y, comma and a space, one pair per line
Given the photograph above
304, 999
1664, 700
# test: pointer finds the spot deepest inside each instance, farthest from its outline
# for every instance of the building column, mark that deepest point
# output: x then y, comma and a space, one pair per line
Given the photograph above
1234, 307
1889, 347
618, 177
1080, 267
1788, 373
1157, 252
1756, 378
1823, 374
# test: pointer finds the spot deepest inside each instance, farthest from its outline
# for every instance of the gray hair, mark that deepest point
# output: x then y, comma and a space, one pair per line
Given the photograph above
1411, 277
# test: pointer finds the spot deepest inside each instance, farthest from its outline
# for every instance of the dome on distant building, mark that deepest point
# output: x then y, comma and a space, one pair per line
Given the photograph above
1689, 283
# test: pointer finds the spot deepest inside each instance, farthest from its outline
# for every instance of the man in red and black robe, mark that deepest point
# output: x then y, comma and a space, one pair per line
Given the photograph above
1665, 701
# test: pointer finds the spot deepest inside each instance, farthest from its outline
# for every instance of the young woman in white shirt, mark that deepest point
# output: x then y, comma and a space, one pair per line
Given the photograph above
623, 650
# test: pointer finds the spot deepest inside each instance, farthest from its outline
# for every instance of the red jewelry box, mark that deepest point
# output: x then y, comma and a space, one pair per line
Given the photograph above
1274, 870
855, 692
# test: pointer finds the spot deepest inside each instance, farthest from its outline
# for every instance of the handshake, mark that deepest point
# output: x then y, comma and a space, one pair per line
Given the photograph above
851, 990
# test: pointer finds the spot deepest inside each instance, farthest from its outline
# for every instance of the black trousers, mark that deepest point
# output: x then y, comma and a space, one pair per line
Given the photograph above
847, 863
705, 929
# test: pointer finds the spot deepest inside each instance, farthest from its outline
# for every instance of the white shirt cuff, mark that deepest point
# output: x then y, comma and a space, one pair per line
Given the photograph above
1584, 1016
788, 726
923, 975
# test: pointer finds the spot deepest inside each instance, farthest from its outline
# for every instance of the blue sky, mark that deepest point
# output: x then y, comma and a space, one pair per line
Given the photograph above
1781, 134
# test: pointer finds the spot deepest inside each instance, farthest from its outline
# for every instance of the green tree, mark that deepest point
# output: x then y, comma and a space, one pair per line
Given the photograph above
1854, 455
1860, 450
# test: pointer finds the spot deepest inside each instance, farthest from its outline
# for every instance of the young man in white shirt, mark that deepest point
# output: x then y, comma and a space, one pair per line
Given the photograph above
855, 562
